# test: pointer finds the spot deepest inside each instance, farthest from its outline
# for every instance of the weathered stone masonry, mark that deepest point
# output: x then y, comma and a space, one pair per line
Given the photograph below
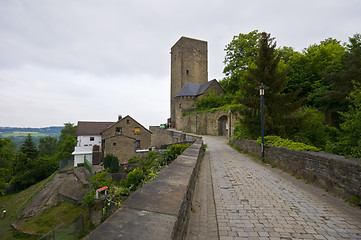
161, 208
337, 174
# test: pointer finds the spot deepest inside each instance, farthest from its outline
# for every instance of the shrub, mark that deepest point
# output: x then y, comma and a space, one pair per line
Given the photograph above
133, 159
280, 142
100, 180
134, 179
111, 162
312, 130
176, 150
161, 159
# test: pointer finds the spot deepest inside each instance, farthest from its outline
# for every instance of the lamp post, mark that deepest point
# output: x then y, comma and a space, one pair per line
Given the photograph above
261, 88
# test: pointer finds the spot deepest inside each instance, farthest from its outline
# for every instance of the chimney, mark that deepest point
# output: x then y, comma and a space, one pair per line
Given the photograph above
120, 117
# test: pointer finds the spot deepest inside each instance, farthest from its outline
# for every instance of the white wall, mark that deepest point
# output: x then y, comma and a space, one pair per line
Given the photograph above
81, 152
83, 141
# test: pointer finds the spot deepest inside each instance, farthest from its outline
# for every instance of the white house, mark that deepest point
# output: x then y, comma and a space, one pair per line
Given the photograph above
89, 140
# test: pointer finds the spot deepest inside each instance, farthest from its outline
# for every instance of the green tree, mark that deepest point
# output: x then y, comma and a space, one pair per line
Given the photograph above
29, 149
66, 147
278, 105
24, 164
47, 146
7, 152
241, 53
69, 129
111, 162
307, 70
312, 130
349, 143
341, 82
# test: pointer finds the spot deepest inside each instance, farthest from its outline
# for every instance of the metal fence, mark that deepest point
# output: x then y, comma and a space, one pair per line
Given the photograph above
66, 164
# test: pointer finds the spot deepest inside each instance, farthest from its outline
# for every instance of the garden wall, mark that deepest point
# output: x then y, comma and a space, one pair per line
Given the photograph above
160, 209
337, 174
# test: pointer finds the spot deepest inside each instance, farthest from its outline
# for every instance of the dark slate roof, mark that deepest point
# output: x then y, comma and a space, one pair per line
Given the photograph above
194, 89
92, 128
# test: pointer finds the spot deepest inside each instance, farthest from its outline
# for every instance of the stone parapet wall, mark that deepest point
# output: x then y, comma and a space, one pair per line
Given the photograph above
337, 174
162, 137
161, 208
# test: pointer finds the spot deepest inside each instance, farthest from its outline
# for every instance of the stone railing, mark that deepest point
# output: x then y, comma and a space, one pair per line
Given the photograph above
335, 173
160, 209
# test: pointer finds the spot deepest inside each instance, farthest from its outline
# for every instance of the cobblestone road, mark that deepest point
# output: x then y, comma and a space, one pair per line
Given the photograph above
253, 201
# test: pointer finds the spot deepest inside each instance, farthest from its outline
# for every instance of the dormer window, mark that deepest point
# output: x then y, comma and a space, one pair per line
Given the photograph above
91, 139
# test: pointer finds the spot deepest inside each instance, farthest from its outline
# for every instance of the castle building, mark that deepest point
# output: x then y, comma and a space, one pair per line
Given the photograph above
189, 77
189, 64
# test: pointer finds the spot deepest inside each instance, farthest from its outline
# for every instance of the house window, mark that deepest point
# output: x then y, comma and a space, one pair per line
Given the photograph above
91, 138
180, 106
137, 144
187, 72
137, 130
114, 144
127, 121
118, 130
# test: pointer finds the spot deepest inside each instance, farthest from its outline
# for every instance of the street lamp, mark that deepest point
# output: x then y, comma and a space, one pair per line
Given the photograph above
261, 88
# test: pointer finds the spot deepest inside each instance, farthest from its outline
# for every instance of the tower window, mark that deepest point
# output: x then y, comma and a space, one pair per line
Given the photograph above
187, 71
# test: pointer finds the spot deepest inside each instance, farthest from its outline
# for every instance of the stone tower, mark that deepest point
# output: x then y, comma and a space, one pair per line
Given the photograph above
189, 64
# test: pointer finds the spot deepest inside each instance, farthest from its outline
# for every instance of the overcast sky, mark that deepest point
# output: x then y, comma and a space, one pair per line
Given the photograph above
75, 60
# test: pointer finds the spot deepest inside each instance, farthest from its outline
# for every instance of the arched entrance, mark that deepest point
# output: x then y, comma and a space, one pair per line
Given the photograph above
222, 125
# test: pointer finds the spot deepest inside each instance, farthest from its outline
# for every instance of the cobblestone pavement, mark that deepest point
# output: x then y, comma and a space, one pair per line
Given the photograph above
253, 201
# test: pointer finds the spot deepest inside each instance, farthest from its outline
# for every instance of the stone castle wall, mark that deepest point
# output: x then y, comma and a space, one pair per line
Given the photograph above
335, 173
207, 123
189, 64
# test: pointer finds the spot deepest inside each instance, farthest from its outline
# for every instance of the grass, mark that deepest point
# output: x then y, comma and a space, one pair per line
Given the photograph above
64, 213
14, 204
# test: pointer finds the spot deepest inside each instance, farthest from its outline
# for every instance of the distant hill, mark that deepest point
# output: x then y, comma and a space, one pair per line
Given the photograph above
18, 135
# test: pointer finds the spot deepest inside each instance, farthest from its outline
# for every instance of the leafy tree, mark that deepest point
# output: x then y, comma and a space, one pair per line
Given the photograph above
7, 152
278, 106
307, 70
69, 129
47, 146
212, 100
66, 147
349, 143
312, 130
241, 53
67, 141
341, 82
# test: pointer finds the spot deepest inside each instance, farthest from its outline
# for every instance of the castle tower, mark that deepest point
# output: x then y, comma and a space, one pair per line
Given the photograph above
189, 64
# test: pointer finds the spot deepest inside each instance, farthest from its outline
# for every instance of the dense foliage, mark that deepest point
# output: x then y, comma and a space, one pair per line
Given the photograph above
146, 169
111, 162
30, 164
313, 95
287, 143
